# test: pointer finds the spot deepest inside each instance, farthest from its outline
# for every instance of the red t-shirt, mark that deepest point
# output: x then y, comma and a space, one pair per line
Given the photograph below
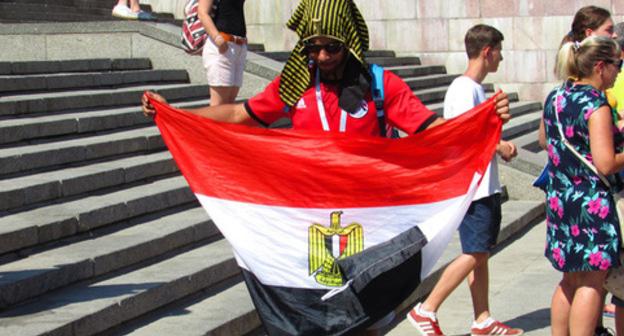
402, 108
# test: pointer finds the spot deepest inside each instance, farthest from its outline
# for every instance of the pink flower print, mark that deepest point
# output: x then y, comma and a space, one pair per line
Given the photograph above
605, 264
595, 258
569, 132
576, 180
560, 212
575, 230
604, 211
588, 113
556, 254
556, 160
554, 203
593, 206
561, 263
559, 104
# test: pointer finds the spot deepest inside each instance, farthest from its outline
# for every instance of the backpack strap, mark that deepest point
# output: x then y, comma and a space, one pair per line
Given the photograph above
377, 90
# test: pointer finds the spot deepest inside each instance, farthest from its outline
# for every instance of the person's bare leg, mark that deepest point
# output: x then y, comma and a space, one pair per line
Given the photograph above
134, 6
587, 302
452, 276
560, 307
478, 282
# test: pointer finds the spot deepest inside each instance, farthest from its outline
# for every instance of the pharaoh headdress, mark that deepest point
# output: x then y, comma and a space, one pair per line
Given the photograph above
336, 19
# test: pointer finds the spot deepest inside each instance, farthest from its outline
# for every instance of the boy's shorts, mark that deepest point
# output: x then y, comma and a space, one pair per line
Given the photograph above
479, 229
224, 69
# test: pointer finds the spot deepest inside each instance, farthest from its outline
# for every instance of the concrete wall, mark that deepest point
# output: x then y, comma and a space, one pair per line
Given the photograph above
434, 30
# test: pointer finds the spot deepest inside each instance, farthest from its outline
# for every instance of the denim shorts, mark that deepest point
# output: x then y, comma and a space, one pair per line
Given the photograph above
479, 229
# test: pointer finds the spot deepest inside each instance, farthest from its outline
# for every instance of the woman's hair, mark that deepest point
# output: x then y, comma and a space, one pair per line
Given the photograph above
588, 17
577, 59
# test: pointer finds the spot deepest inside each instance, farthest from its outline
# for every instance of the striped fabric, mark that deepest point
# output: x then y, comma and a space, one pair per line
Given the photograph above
337, 19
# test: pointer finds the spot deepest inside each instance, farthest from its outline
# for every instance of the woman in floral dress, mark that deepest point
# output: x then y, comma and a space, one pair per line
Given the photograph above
582, 225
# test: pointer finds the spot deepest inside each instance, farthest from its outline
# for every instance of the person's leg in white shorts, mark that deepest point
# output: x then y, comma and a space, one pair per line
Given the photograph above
224, 71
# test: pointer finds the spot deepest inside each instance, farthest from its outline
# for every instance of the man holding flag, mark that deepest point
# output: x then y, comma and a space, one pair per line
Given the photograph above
332, 231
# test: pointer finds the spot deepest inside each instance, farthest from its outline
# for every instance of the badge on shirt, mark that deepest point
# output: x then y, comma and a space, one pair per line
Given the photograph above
361, 112
301, 104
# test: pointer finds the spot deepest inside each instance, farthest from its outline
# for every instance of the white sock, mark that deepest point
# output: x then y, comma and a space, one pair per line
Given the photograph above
483, 324
421, 311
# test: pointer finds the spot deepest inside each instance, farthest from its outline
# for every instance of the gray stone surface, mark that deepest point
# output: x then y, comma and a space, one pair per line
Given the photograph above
55, 221
88, 309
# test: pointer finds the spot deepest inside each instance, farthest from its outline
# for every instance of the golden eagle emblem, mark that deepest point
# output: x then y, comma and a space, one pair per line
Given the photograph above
327, 244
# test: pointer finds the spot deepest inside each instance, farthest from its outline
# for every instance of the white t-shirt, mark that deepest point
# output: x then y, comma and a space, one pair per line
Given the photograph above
464, 94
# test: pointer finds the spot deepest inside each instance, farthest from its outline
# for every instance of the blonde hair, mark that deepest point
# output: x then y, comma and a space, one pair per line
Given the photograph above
577, 59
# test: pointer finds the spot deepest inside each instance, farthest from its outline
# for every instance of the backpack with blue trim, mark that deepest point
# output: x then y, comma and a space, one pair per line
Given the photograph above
377, 91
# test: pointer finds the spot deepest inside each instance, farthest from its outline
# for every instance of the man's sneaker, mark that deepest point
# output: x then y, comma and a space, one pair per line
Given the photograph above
602, 331
425, 325
496, 328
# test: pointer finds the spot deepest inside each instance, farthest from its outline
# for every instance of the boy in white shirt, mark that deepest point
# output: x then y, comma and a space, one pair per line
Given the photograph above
479, 228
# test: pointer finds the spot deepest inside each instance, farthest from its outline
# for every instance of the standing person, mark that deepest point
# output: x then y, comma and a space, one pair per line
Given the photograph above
479, 228
582, 238
326, 84
225, 50
132, 12
588, 21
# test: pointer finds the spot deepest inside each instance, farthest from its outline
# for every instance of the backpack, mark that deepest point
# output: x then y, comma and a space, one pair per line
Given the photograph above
377, 91
193, 34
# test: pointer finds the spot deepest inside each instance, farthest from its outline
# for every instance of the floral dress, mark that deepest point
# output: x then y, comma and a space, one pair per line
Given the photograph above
582, 224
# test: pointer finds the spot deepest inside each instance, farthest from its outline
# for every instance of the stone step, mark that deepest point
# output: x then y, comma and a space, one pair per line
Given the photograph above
31, 128
43, 272
394, 61
405, 71
52, 222
89, 99
69, 3
91, 308
84, 81
33, 189
522, 124
229, 312
49, 12
282, 56
68, 124
71, 66
20, 159
429, 81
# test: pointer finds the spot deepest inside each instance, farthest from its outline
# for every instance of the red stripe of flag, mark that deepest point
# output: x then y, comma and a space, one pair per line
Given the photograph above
315, 169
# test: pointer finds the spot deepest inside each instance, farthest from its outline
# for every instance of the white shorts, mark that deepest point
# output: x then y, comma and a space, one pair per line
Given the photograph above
224, 69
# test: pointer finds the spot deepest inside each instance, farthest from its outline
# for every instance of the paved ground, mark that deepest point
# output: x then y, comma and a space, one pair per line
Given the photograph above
521, 285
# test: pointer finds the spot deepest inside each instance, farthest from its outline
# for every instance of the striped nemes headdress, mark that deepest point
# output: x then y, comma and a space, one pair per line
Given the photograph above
336, 19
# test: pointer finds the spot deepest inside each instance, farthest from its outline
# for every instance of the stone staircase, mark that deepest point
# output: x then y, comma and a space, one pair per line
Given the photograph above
100, 235
13, 11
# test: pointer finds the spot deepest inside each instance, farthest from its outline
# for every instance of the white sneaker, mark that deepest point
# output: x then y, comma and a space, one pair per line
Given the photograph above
124, 12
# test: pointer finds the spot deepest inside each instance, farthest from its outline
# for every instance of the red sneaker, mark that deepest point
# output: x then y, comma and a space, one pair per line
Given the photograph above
496, 328
425, 325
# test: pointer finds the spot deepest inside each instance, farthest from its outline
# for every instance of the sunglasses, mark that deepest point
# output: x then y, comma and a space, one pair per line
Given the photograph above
332, 48
618, 63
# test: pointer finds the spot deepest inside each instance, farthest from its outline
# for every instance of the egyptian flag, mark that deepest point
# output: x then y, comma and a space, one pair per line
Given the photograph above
332, 232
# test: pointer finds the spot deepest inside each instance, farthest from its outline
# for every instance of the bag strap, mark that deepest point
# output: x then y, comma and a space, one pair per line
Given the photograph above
377, 90
576, 153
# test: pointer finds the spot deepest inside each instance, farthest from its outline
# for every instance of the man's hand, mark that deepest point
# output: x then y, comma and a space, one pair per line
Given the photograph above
507, 150
148, 109
502, 106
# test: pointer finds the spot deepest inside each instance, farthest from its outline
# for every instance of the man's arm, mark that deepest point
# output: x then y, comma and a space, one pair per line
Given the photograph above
230, 113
